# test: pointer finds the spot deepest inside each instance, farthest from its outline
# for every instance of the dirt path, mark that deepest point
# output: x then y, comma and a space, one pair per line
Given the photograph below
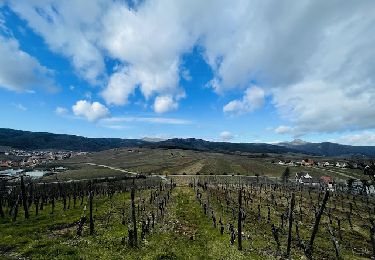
113, 168
336, 172
124, 171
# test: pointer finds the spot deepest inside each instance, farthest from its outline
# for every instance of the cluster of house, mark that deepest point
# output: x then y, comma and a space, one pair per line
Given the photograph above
306, 178
34, 158
309, 162
356, 186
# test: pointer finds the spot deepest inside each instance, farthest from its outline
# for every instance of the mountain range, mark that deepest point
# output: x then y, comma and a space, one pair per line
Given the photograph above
42, 140
329, 149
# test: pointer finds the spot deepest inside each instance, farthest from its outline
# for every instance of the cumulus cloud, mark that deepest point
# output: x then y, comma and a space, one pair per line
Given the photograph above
164, 104
226, 136
152, 54
252, 99
314, 58
90, 111
119, 87
21, 72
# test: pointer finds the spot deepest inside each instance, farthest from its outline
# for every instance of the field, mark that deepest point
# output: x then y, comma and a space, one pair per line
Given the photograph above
186, 162
187, 205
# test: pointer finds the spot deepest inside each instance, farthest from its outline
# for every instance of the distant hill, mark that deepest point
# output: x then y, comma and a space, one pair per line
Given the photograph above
202, 145
329, 149
43, 140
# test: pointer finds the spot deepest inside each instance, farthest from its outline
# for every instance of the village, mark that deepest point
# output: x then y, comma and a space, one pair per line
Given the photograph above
354, 185
338, 164
16, 158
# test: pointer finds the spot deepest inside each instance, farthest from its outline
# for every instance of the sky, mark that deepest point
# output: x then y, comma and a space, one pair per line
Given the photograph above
238, 71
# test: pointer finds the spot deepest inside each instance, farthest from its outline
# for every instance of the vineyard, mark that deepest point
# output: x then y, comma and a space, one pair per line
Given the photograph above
183, 218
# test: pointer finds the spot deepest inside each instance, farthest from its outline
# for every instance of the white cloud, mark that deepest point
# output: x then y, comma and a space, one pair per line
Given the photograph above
116, 127
2, 22
152, 120
319, 106
226, 136
164, 104
185, 74
364, 138
252, 99
70, 28
21, 107
283, 129
152, 54
21, 72
91, 111
61, 111
119, 87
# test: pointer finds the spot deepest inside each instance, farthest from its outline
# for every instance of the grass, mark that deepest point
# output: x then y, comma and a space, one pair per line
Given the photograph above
355, 243
185, 232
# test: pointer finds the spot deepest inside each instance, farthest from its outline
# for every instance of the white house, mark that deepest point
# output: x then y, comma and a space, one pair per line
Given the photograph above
303, 177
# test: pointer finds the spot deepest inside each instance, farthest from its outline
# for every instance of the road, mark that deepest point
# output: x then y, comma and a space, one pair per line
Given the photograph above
337, 172
124, 171
113, 168
179, 175
222, 175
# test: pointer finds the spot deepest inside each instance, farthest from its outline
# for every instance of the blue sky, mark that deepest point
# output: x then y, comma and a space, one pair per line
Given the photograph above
250, 72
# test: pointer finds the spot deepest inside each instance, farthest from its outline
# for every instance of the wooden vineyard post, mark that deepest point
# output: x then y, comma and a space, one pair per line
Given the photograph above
291, 207
1, 207
36, 202
309, 248
24, 198
239, 224
2, 189
53, 205
90, 205
134, 220
334, 241
372, 237
15, 209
